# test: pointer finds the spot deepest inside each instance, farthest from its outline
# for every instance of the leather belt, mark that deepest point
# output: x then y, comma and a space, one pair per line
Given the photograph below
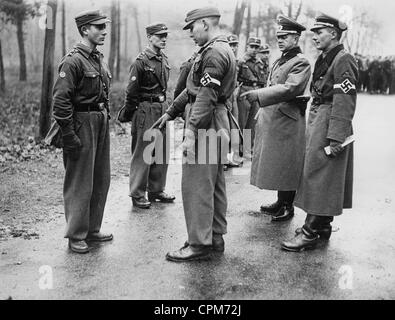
192, 99
153, 98
321, 100
253, 84
90, 107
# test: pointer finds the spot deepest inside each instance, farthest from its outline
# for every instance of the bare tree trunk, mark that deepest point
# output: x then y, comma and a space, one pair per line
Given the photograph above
118, 69
22, 54
63, 28
2, 78
125, 52
259, 21
239, 17
299, 10
113, 38
248, 22
48, 73
140, 46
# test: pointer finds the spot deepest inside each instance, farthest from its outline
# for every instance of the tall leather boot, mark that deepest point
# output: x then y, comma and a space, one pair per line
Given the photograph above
286, 211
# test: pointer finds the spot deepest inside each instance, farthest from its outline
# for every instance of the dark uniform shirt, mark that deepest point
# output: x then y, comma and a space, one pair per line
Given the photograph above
182, 78
83, 79
252, 72
212, 81
148, 76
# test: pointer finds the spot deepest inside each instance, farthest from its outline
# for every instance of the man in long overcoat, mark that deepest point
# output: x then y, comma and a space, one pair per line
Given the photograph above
326, 186
277, 162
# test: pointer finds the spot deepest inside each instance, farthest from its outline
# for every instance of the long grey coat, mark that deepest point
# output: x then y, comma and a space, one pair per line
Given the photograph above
326, 186
280, 131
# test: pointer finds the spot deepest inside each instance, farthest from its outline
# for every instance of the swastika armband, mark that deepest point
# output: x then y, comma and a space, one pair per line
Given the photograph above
345, 87
206, 80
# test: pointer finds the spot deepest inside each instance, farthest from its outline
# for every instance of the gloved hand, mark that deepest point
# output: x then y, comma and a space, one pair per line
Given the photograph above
72, 145
251, 96
126, 114
336, 148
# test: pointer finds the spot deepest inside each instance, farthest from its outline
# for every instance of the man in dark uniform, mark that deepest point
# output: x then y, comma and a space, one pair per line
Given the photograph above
145, 102
326, 185
80, 107
182, 78
279, 146
209, 87
233, 41
251, 74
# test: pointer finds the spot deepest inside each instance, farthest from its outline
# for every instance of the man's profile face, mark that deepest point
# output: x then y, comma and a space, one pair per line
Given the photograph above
322, 38
158, 40
96, 33
198, 32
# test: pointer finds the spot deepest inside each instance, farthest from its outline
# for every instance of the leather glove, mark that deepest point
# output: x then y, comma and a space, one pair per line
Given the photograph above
336, 148
72, 145
125, 114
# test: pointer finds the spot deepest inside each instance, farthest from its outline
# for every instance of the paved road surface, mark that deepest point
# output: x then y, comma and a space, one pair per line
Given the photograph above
358, 262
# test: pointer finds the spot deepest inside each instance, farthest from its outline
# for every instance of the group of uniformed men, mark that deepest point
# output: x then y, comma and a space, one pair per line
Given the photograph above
288, 153
376, 74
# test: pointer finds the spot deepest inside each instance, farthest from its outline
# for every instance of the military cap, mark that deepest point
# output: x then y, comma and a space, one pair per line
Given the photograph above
264, 49
90, 17
253, 41
287, 25
197, 14
233, 39
156, 28
325, 21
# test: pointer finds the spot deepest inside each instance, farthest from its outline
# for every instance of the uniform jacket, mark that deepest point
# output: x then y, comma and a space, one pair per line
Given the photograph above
252, 70
148, 75
326, 186
182, 78
279, 145
84, 78
212, 82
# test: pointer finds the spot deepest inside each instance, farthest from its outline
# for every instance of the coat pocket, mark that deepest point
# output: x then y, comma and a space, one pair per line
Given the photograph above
291, 112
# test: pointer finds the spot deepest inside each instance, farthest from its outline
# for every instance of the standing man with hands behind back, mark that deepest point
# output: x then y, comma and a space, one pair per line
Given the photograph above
80, 107
145, 102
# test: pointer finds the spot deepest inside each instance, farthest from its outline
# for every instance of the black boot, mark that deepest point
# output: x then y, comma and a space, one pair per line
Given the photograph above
306, 240
271, 208
285, 213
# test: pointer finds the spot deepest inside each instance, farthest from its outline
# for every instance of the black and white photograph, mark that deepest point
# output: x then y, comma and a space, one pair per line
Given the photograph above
197, 154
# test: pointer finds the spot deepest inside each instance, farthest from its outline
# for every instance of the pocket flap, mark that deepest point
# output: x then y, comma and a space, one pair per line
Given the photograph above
91, 74
290, 111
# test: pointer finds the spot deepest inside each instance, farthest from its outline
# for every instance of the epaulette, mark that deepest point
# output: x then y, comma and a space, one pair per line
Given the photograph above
141, 56
72, 52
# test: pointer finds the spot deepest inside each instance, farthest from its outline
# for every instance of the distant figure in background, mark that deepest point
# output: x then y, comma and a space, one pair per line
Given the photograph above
251, 74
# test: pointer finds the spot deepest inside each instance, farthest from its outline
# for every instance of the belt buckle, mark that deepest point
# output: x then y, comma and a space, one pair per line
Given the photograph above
101, 106
161, 98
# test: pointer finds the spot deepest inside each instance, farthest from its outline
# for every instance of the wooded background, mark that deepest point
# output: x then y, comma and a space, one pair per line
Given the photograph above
34, 35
